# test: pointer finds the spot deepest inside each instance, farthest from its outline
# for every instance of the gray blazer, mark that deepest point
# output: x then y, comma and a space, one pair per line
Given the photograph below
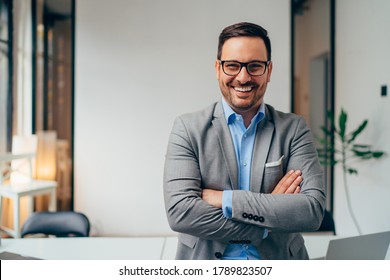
201, 154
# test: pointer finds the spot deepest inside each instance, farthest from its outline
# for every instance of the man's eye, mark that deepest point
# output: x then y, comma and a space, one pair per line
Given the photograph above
232, 65
256, 66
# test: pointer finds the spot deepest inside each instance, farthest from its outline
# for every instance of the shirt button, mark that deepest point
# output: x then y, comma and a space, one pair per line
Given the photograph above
245, 136
244, 163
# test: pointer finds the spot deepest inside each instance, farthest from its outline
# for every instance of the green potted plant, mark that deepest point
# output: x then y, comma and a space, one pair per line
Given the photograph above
344, 151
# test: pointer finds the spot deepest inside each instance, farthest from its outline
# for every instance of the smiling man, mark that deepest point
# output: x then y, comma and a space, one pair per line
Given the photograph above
242, 179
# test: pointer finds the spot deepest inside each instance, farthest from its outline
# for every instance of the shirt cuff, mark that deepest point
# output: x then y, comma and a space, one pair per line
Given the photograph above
227, 204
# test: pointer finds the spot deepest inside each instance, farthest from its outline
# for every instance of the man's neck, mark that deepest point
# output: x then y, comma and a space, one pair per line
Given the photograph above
248, 116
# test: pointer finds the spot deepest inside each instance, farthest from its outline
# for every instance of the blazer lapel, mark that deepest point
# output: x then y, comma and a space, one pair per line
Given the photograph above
261, 148
226, 143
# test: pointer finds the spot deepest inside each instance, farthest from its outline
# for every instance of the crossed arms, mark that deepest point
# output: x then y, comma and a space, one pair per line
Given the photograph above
194, 207
289, 184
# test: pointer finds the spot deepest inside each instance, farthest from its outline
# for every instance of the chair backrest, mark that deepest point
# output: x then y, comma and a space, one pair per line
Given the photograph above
60, 224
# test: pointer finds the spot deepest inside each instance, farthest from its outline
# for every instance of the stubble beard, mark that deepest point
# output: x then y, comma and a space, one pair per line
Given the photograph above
238, 105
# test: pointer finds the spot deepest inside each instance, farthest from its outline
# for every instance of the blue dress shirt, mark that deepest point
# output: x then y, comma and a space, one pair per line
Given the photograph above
243, 139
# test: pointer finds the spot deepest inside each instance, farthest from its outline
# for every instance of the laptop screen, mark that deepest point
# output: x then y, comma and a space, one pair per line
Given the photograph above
362, 247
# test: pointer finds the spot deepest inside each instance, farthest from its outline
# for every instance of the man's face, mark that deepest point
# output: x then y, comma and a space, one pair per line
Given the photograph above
243, 92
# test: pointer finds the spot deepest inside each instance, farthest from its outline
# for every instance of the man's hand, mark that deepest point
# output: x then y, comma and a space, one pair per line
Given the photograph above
212, 197
289, 183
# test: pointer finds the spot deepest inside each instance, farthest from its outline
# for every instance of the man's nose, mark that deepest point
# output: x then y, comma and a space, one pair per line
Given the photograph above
243, 77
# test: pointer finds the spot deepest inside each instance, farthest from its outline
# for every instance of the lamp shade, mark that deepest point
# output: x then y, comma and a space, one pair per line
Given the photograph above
22, 144
46, 155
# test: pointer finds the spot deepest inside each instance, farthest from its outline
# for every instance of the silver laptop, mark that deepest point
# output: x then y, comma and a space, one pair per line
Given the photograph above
363, 247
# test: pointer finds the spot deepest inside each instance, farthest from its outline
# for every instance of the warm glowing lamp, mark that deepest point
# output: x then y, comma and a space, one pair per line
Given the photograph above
46, 155
23, 144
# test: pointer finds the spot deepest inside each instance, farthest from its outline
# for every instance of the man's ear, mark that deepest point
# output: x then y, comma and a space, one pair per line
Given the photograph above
269, 72
217, 68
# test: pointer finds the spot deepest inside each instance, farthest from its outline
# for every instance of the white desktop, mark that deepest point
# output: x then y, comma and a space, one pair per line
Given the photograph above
121, 248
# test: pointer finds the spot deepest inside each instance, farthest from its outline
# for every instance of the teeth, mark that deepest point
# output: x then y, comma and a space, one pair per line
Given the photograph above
243, 88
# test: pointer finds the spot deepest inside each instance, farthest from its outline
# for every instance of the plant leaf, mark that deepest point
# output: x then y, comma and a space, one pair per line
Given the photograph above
342, 124
361, 153
355, 133
329, 115
328, 162
326, 131
352, 171
358, 146
331, 118
325, 150
320, 140
378, 154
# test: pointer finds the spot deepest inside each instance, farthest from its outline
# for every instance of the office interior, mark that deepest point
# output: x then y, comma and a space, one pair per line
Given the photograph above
105, 80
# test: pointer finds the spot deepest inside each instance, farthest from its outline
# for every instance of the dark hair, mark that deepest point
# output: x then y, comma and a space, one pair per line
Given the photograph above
244, 29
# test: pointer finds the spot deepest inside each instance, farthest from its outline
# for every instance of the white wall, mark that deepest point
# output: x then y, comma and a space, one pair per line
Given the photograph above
362, 66
140, 63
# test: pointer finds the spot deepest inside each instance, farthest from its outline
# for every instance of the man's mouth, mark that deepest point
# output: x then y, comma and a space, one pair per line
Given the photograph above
243, 89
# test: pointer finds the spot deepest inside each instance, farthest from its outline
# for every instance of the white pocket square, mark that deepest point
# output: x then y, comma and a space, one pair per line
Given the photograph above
275, 163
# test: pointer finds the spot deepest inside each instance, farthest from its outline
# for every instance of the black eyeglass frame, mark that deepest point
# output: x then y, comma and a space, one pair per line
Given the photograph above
245, 64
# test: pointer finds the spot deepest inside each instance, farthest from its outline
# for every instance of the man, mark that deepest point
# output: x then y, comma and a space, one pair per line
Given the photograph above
241, 179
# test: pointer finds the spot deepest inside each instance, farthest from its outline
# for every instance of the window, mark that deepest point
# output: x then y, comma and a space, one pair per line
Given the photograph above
5, 75
313, 54
52, 86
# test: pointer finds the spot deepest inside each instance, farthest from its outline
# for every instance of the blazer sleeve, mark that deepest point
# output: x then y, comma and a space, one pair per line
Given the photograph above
186, 211
288, 212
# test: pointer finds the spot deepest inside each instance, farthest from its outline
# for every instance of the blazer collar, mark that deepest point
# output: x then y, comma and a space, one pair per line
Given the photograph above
226, 143
262, 145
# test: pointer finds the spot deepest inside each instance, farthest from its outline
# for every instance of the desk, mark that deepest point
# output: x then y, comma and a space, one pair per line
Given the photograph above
120, 248
86, 248
316, 245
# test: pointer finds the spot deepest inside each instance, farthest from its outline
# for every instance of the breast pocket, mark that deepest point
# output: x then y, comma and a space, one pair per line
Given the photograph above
273, 173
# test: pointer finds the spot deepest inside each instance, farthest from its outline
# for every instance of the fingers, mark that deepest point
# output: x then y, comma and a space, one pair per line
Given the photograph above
295, 183
282, 181
290, 183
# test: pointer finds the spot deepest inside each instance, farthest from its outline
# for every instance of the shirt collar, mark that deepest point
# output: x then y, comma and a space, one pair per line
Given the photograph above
230, 115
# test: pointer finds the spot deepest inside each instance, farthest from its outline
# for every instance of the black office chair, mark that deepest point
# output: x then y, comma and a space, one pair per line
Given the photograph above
328, 223
60, 224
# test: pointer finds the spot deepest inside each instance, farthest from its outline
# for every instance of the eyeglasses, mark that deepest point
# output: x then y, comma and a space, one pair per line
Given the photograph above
254, 68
